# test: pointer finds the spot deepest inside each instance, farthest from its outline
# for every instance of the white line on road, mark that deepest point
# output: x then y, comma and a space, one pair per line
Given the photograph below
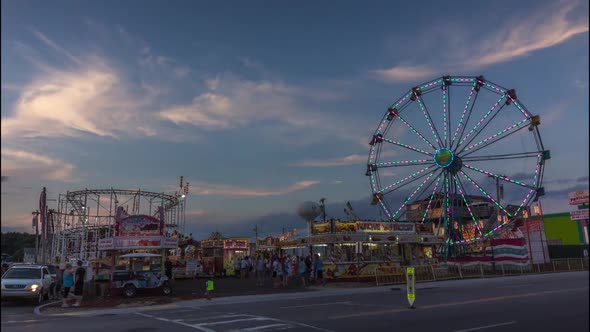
265, 327
233, 321
20, 321
487, 326
314, 305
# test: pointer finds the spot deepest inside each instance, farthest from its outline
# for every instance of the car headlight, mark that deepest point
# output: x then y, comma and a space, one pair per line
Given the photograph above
34, 287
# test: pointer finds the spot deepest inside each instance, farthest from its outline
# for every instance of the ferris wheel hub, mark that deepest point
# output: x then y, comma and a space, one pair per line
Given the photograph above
444, 158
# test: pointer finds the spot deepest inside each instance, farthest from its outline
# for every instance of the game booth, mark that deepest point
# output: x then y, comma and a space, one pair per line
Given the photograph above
221, 256
355, 249
137, 234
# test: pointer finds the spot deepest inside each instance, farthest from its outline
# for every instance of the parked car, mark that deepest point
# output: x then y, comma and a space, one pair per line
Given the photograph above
26, 282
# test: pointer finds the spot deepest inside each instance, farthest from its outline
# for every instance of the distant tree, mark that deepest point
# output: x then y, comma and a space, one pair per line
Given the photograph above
13, 244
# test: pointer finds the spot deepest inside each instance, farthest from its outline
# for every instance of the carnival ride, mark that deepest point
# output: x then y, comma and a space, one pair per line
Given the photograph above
84, 217
436, 161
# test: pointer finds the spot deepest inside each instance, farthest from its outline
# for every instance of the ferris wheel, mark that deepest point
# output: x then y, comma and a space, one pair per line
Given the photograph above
461, 154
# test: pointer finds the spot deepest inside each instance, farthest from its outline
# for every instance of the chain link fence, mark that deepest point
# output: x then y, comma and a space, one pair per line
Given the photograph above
396, 275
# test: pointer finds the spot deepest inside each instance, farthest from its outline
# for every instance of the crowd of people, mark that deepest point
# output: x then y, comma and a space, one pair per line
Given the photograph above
282, 270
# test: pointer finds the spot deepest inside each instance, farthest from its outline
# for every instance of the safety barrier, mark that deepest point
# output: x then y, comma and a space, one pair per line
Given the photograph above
396, 275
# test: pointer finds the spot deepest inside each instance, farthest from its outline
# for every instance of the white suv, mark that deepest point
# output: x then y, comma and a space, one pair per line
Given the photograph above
26, 282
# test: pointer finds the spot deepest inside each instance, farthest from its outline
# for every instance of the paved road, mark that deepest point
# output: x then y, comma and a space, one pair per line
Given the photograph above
550, 302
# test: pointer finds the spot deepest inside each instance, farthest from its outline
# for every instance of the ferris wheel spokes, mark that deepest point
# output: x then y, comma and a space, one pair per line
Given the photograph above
396, 114
398, 184
401, 163
413, 193
435, 133
476, 87
500, 177
461, 188
498, 137
474, 130
498, 204
379, 139
531, 154
430, 200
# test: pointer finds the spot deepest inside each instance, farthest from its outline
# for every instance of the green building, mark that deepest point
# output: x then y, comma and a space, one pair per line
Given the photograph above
566, 237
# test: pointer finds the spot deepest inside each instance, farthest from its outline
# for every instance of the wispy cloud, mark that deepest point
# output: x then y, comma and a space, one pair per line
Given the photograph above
18, 163
68, 103
353, 159
56, 47
405, 73
208, 189
230, 102
518, 37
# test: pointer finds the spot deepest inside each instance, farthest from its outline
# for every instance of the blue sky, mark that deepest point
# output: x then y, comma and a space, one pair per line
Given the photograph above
262, 105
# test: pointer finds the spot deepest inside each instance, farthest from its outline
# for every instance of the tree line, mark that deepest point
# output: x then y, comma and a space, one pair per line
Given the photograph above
13, 244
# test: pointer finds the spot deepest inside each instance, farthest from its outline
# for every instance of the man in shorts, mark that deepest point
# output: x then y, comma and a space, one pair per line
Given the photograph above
79, 283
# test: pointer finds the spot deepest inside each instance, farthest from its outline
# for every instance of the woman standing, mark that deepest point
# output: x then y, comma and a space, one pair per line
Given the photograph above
68, 281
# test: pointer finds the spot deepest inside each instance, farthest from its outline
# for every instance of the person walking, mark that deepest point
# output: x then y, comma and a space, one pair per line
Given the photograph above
168, 268
79, 284
260, 271
319, 270
302, 271
243, 268
68, 282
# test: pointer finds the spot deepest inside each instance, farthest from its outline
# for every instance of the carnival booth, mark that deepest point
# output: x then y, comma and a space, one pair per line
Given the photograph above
353, 249
137, 234
234, 249
213, 254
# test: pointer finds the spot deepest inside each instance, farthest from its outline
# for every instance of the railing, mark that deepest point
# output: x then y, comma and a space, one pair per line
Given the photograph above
396, 275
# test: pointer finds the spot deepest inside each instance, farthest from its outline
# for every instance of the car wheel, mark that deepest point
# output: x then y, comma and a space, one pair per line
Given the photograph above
130, 291
166, 289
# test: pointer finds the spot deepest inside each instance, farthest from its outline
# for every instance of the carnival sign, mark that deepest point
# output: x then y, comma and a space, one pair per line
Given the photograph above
579, 197
140, 225
579, 214
235, 244
105, 244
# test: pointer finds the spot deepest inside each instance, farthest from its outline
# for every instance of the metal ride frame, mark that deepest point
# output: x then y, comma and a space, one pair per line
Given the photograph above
85, 216
449, 157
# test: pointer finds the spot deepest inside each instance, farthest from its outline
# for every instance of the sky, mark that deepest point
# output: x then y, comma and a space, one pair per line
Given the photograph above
264, 105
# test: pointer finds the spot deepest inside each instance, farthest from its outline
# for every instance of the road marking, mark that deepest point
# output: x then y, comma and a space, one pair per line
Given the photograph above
265, 327
314, 305
440, 305
487, 326
234, 321
20, 321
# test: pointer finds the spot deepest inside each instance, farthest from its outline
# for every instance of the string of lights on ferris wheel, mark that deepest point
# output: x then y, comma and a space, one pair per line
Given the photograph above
452, 148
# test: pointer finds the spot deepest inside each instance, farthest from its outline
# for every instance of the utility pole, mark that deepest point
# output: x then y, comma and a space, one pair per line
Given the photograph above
256, 238
36, 224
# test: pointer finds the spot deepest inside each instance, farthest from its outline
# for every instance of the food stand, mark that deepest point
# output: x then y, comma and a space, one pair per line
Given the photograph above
234, 249
353, 249
213, 254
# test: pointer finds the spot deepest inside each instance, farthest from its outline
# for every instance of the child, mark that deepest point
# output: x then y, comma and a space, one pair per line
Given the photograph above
209, 286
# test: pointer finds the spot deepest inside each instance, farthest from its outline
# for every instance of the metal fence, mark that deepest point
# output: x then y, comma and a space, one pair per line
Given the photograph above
396, 275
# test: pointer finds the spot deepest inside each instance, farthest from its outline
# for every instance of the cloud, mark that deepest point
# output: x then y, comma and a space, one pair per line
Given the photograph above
405, 73
353, 159
197, 213
56, 47
19, 223
208, 189
4, 178
230, 102
68, 103
18, 163
517, 38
